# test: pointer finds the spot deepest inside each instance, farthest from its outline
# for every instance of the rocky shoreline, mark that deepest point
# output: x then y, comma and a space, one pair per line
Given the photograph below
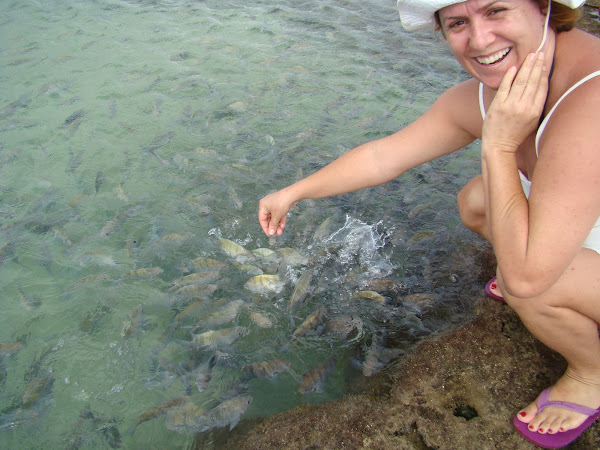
455, 391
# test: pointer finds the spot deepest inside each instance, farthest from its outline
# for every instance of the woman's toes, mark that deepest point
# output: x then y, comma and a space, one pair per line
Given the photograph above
527, 414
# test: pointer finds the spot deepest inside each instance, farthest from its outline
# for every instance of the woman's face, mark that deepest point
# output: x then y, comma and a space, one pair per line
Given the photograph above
487, 37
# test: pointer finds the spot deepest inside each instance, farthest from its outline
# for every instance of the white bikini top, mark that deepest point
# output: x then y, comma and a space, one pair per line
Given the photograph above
545, 121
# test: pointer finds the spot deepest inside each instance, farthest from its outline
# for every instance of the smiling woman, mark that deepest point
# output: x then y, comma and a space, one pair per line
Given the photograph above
533, 101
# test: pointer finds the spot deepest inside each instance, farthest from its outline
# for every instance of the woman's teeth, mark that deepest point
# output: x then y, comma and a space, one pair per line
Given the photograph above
494, 58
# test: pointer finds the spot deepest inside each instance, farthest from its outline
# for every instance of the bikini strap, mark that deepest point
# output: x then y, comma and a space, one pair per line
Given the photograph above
545, 121
481, 105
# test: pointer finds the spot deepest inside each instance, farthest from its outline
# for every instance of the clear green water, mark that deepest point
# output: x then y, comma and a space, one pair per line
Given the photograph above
156, 119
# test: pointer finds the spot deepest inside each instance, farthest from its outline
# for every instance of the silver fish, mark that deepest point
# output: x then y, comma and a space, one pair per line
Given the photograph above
313, 380
214, 339
223, 315
195, 278
293, 257
225, 414
301, 289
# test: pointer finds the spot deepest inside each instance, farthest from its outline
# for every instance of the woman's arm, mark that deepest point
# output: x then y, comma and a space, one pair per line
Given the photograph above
441, 130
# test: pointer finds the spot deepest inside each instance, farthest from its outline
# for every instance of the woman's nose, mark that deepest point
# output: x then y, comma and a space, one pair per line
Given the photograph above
481, 35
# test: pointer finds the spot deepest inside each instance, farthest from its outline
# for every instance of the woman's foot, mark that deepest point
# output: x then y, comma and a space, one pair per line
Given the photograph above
552, 419
493, 290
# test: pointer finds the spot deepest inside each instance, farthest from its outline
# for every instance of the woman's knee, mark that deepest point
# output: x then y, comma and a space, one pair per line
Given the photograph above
471, 205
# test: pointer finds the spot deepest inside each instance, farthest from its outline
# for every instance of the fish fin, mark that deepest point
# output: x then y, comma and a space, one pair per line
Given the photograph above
234, 423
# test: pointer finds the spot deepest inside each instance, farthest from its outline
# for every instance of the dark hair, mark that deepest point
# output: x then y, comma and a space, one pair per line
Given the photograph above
562, 18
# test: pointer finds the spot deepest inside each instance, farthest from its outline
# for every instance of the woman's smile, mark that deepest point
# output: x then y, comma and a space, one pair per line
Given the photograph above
494, 58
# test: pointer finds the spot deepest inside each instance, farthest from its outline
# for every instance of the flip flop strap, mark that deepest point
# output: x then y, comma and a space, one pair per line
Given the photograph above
544, 403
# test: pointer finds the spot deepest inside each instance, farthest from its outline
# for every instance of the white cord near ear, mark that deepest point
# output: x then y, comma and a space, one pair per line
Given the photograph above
545, 27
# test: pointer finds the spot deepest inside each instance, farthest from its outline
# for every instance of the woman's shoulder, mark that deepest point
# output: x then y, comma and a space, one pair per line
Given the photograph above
462, 103
579, 51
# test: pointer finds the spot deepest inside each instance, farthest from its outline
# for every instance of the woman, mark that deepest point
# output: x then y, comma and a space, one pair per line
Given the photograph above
537, 200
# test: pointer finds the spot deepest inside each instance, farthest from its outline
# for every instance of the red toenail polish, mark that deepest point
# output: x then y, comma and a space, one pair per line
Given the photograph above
562, 429
541, 430
522, 413
549, 430
531, 427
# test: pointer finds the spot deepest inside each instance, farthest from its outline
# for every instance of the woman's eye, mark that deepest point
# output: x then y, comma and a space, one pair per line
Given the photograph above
457, 23
496, 11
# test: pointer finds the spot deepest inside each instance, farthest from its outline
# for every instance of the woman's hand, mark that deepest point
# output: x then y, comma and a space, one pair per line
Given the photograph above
517, 106
272, 211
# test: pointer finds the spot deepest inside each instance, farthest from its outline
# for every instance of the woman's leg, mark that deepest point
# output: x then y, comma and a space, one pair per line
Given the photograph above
471, 206
566, 319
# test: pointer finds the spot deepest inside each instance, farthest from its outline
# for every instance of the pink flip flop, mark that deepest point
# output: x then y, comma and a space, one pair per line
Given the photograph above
562, 438
488, 290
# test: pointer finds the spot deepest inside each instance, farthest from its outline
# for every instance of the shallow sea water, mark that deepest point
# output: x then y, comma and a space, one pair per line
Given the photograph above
134, 135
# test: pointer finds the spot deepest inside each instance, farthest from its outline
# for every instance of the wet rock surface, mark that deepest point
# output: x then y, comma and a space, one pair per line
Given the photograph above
457, 390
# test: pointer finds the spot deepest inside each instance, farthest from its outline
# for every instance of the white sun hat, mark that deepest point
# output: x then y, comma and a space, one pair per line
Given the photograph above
418, 14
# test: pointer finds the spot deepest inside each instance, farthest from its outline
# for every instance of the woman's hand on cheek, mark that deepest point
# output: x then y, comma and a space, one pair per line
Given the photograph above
517, 106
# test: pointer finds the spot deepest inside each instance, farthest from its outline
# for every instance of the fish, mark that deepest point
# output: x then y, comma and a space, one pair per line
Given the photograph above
235, 198
195, 278
265, 253
222, 316
150, 272
225, 414
293, 257
174, 237
37, 388
234, 250
267, 369
344, 326
261, 320
209, 264
195, 289
155, 412
74, 118
214, 339
182, 418
121, 195
310, 323
99, 181
324, 229
301, 289
250, 269
159, 142
313, 380
190, 310
371, 365
112, 225
204, 372
265, 284
371, 295
134, 322
8, 348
